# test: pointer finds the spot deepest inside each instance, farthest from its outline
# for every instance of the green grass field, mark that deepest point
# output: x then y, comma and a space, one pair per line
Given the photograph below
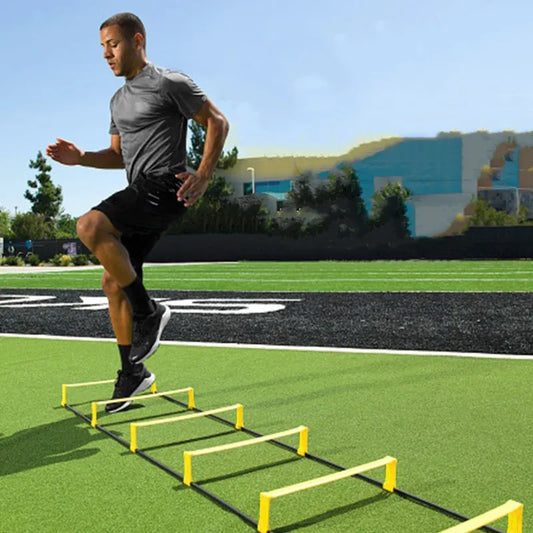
328, 276
460, 428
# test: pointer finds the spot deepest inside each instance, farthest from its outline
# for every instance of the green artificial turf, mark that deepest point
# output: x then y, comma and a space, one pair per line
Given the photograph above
344, 276
460, 429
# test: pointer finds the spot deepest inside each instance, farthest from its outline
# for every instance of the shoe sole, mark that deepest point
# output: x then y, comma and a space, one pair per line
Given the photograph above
143, 385
164, 321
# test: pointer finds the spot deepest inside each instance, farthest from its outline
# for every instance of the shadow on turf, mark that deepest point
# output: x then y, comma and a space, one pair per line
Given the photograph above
332, 513
56, 442
188, 441
243, 472
106, 416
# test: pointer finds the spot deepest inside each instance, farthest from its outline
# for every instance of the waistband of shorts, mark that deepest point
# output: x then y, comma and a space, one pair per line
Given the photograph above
161, 183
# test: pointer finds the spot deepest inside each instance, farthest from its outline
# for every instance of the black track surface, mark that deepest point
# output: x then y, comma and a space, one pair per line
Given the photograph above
466, 322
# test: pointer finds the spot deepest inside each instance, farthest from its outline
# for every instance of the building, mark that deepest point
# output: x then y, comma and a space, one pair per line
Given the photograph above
444, 174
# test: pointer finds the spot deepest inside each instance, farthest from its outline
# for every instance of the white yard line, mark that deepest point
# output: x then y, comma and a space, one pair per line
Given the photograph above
193, 264
328, 280
40, 270
423, 353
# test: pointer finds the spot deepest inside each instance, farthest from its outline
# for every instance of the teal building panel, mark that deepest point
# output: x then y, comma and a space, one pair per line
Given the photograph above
509, 175
425, 166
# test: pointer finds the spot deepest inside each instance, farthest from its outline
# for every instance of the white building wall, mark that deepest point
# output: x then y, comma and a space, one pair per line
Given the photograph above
435, 212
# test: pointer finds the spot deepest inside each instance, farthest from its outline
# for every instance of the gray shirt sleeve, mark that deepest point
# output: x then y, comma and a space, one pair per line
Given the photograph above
183, 93
113, 130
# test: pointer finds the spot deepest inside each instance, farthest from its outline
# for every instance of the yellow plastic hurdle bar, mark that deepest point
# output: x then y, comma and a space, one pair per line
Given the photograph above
266, 497
513, 510
189, 390
66, 386
135, 425
187, 456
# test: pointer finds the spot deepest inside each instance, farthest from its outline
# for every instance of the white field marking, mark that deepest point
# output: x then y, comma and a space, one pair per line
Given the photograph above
363, 351
17, 299
219, 306
192, 264
399, 273
378, 265
42, 270
231, 306
329, 280
356, 267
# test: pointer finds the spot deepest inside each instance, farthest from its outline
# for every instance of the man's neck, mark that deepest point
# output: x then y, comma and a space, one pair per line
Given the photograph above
137, 69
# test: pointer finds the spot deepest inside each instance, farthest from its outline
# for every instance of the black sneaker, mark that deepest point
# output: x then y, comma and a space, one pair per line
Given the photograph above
128, 385
147, 331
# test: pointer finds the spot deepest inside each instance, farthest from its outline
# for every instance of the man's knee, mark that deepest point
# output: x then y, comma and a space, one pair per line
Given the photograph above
91, 226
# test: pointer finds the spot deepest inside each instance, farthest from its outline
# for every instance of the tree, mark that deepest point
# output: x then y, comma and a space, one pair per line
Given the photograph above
486, 215
47, 197
315, 205
66, 226
347, 210
218, 190
389, 209
32, 226
302, 193
205, 213
217, 212
196, 150
5, 223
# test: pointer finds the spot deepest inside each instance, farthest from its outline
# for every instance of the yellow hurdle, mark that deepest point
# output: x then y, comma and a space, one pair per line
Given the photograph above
187, 456
190, 390
66, 386
512, 509
133, 426
266, 497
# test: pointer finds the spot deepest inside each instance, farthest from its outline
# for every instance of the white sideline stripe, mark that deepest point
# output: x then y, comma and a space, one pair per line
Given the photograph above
426, 353
358, 280
45, 269
199, 263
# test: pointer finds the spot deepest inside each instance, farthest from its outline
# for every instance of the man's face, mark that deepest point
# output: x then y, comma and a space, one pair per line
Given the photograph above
121, 54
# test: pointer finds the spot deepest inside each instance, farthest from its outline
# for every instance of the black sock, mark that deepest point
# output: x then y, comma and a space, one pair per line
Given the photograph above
127, 366
138, 298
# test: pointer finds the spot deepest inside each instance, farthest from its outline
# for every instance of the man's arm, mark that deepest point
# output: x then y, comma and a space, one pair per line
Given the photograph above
68, 153
217, 128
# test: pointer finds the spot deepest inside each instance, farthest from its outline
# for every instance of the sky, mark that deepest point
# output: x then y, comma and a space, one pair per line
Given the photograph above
293, 77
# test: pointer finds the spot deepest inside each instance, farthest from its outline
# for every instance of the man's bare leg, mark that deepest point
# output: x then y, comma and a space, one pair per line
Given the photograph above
149, 319
99, 235
119, 310
102, 238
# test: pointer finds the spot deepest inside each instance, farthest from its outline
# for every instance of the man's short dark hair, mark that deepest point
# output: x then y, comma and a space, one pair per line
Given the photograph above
129, 24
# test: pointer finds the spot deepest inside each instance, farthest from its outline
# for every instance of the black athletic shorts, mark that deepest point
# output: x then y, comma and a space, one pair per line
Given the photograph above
142, 212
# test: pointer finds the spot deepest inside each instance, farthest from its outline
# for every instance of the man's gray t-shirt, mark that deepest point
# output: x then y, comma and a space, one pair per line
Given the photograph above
150, 113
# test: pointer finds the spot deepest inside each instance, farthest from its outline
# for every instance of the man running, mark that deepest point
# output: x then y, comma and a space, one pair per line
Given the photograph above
149, 117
